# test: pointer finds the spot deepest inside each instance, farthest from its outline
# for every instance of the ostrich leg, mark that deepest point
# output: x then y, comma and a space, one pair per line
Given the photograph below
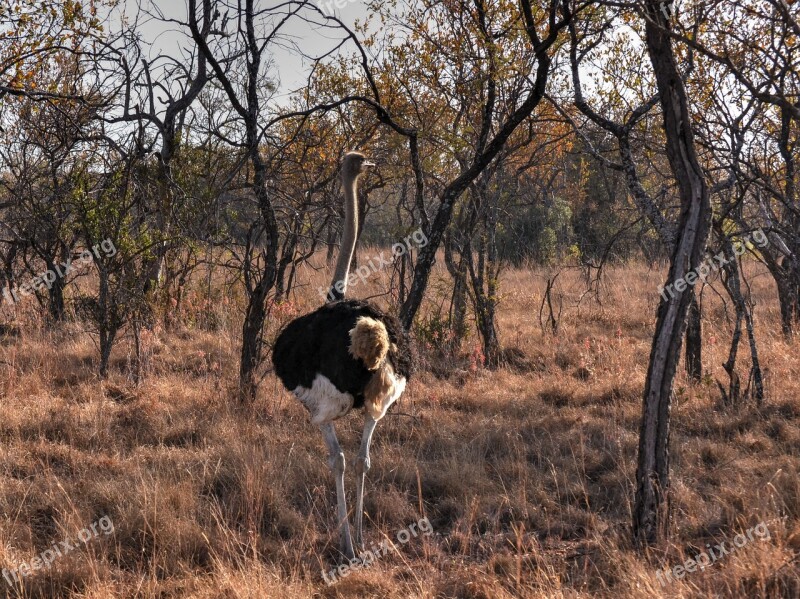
336, 463
362, 467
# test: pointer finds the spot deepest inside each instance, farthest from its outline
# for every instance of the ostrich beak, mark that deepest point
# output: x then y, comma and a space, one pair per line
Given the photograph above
367, 163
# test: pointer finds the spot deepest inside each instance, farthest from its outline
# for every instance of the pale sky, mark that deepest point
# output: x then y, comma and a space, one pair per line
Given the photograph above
290, 69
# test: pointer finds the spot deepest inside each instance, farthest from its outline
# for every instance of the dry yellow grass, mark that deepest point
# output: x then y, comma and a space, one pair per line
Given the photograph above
525, 473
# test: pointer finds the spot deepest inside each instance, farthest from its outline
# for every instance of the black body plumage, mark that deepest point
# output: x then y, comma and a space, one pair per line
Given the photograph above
319, 342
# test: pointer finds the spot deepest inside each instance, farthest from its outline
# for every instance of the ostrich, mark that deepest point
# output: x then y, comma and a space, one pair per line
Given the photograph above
346, 354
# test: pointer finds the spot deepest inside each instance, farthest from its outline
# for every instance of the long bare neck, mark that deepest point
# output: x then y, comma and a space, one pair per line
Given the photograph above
339, 283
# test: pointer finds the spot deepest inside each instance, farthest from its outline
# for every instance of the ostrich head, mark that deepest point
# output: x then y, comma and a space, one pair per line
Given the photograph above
353, 164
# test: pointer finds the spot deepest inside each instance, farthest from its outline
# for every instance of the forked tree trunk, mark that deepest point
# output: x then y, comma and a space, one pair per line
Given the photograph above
484, 289
744, 312
458, 299
484, 281
651, 508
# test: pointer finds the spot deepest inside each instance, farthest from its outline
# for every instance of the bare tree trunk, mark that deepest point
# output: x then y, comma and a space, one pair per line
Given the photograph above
732, 283
651, 508
744, 312
108, 322
789, 286
755, 368
458, 299
55, 293
694, 342
484, 276
252, 341
485, 299
154, 267
256, 314
788, 300
56, 299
